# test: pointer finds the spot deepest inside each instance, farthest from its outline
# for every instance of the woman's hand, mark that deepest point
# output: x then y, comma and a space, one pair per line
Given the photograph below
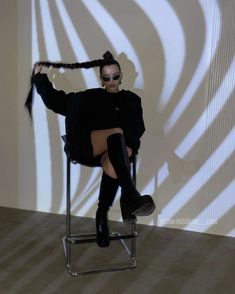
37, 68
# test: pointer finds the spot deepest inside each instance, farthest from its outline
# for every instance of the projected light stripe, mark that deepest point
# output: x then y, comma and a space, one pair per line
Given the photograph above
162, 173
159, 13
86, 206
220, 99
231, 233
208, 169
44, 180
52, 47
199, 129
43, 167
53, 52
115, 34
204, 122
201, 70
35, 48
49, 32
79, 50
223, 202
91, 81
87, 198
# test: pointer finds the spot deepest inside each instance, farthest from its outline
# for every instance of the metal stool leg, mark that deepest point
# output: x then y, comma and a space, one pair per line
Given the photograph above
71, 239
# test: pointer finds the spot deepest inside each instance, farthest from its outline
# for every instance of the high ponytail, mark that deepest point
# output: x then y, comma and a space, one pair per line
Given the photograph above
107, 58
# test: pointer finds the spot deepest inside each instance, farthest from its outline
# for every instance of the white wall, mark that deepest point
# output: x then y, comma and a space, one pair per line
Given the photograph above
177, 55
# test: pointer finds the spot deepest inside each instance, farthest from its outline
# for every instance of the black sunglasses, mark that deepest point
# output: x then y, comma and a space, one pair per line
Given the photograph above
111, 78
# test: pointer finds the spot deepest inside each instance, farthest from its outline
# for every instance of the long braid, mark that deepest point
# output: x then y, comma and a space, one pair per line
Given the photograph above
107, 59
88, 64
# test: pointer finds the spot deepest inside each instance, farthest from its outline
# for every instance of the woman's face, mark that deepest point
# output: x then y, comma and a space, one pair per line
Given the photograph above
111, 78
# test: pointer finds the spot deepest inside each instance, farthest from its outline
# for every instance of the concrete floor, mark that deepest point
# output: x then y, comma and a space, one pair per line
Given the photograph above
168, 261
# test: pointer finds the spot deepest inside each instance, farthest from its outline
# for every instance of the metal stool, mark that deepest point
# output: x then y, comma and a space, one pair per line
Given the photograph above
71, 239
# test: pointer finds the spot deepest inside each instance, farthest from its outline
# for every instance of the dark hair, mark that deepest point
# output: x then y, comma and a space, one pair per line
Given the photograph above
107, 60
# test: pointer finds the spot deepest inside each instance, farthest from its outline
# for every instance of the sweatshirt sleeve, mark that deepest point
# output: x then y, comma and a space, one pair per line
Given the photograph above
134, 123
55, 100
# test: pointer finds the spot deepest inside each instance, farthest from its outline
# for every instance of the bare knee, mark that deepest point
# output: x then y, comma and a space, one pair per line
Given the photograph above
107, 166
116, 131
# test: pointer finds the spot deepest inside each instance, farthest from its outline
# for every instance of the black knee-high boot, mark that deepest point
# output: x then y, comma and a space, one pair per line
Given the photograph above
132, 203
108, 190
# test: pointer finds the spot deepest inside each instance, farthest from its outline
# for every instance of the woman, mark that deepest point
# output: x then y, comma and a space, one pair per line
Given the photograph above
103, 128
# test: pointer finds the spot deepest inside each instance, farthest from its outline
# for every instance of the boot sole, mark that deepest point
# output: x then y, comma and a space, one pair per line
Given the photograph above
141, 209
145, 209
131, 220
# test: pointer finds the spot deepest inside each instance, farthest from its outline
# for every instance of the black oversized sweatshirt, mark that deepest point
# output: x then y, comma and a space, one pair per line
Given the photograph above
93, 109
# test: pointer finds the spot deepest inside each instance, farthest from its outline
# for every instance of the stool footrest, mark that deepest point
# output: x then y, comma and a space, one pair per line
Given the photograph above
68, 243
91, 237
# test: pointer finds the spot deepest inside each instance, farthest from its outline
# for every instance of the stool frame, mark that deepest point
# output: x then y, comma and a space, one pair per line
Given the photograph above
71, 239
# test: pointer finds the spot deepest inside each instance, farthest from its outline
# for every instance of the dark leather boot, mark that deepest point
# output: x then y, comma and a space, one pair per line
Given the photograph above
132, 203
108, 190
102, 229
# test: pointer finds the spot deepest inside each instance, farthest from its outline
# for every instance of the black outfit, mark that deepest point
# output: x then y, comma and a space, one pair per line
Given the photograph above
108, 190
93, 109
97, 109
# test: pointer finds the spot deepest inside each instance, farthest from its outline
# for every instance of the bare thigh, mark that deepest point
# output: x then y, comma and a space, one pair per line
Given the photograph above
99, 139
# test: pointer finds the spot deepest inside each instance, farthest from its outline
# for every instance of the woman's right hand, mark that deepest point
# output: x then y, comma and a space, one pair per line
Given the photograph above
37, 68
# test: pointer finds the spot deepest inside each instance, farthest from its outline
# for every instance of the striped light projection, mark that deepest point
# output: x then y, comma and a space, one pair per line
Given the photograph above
181, 60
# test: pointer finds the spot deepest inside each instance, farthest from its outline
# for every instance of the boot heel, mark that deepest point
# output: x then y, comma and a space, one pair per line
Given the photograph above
127, 216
